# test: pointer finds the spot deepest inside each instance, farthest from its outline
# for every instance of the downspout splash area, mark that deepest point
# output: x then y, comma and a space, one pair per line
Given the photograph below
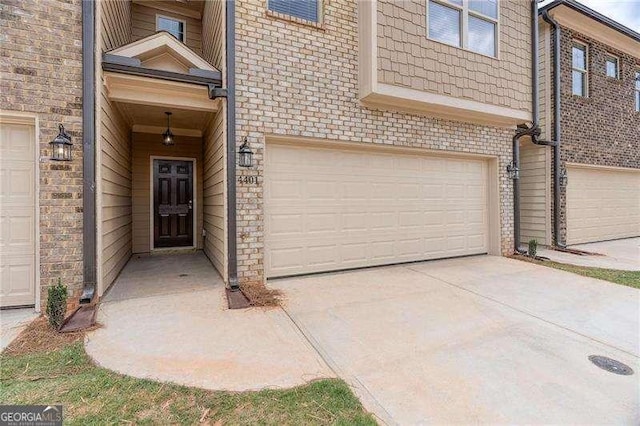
534, 131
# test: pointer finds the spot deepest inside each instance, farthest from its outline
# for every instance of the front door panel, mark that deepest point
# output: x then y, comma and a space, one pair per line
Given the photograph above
172, 203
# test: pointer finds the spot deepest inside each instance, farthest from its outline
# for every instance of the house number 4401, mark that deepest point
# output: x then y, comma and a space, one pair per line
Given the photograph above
248, 180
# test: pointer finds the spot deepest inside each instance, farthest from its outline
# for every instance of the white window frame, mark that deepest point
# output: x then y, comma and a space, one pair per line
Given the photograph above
607, 57
584, 71
171, 18
636, 90
465, 12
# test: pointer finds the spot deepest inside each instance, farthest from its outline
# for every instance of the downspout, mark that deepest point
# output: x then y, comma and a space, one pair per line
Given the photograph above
556, 126
230, 20
89, 155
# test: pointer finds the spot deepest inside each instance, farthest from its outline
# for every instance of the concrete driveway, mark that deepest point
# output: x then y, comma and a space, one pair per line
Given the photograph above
621, 254
475, 340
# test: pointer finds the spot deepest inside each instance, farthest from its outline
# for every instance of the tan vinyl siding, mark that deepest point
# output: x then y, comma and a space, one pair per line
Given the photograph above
146, 145
116, 191
143, 24
213, 33
534, 187
215, 243
214, 192
115, 16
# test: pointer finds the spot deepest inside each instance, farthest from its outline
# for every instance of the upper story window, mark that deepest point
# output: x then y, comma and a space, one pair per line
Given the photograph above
173, 26
579, 69
637, 91
471, 24
612, 67
308, 10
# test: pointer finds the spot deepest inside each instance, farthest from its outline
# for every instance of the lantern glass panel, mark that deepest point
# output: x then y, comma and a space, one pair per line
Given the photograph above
245, 159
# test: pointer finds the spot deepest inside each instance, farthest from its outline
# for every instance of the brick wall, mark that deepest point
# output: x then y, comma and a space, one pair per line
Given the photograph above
41, 73
603, 128
299, 80
407, 58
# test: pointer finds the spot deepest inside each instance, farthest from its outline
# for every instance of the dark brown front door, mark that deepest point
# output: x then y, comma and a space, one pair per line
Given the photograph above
172, 203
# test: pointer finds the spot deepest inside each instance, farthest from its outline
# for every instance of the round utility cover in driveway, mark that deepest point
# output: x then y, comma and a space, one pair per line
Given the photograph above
611, 365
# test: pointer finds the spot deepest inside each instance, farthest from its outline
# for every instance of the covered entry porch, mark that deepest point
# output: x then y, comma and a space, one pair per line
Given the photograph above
160, 167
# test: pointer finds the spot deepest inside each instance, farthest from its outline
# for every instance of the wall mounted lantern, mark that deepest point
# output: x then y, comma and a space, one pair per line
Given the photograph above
167, 136
61, 146
513, 170
245, 154
564, 179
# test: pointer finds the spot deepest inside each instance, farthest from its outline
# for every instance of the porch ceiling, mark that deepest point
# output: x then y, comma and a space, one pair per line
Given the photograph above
148, 118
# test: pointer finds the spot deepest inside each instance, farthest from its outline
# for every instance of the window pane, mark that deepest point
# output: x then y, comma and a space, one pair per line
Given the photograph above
638, 81
482, 36
612, 67
486, 7
444, 23
638, 101
304, 9
176, 28
578, 83
579, 57
458, 2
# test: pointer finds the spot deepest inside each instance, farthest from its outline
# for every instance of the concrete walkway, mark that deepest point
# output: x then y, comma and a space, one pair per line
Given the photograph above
475, 340
616, 254
160, 325
12, 322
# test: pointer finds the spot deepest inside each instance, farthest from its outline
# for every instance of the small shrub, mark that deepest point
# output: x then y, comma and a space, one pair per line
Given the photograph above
533, 248
57, 304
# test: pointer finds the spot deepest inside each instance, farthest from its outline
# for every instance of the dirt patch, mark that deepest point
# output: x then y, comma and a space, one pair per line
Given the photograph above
39, 336
259, 295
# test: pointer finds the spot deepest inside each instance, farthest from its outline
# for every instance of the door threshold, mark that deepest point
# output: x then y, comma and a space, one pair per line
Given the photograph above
173, 250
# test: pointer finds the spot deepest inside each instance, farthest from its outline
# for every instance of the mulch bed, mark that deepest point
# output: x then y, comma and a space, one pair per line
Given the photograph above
259, 295
39, 336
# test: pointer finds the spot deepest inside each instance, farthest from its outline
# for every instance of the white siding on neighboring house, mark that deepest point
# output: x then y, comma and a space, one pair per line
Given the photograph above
534, 193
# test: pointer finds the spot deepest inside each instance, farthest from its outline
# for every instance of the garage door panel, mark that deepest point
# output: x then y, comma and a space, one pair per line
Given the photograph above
602, 204
18, 231
328, 209
17, 214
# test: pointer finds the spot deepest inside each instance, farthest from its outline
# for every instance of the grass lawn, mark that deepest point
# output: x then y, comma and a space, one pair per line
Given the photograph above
628, 278
94, 395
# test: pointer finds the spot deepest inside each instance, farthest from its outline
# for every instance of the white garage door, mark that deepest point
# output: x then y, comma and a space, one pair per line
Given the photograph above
602, 204
331, 209
17, 215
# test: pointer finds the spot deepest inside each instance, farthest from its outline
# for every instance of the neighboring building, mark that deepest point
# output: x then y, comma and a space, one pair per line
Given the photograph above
600, 131
381, 132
